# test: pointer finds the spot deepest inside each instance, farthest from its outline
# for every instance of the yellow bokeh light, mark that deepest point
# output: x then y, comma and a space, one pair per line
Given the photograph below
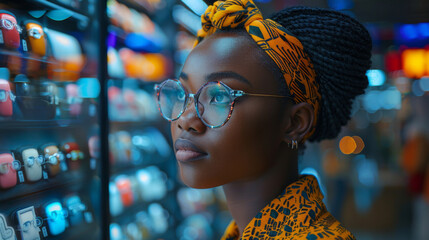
414, 62
347, 145
360, 145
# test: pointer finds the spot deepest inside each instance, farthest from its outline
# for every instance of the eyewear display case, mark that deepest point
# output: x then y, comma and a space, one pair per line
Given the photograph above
84, 152
50, 185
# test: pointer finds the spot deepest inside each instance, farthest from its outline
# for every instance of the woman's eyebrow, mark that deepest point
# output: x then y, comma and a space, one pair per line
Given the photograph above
216, 76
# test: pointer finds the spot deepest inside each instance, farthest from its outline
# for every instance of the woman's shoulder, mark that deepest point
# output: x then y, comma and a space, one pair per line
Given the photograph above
326, 227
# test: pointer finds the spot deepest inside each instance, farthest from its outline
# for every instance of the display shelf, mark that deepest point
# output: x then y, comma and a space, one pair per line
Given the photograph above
141, 205
37, 124
84, 230
121, 168
28, 56
137, 124
136, 6
45, 4
63, 179
87, 228
130, 212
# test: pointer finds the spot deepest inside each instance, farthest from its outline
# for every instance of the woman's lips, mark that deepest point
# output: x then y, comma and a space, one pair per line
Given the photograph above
186, 151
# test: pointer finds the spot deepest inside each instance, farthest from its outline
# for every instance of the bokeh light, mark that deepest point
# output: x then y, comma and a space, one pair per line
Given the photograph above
347, 145
415, 88
376, 77
408, 31
424, 84
414, 62
360, 145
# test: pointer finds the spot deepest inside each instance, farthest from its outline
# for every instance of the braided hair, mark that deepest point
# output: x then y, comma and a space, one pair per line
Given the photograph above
340, 50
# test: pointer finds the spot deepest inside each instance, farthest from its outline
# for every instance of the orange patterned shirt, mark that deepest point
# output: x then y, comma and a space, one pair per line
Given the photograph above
297, 213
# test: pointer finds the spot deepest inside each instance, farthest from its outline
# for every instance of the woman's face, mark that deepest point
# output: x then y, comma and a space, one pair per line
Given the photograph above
246, 146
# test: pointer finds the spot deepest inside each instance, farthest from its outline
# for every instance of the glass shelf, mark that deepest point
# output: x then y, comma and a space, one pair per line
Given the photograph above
24, 189
37, 124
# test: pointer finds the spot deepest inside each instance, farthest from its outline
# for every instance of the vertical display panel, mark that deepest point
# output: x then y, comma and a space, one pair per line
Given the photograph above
50, 186
143, 173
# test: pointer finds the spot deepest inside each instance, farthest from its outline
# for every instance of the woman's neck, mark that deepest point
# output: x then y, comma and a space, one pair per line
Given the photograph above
246, 198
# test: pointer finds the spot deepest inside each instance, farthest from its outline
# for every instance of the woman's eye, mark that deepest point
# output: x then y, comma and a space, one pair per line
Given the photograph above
219, 98
181, 96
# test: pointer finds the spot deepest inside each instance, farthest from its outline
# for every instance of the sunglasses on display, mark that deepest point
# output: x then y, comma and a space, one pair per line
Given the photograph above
9, 25
214, 101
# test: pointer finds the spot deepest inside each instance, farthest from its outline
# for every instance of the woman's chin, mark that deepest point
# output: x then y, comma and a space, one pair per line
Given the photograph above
199, 182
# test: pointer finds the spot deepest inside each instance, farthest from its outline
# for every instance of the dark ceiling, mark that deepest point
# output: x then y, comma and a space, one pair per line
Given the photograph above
370, 11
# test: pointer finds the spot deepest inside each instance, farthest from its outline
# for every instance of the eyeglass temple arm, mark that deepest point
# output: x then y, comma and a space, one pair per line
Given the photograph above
239, 93
266, 95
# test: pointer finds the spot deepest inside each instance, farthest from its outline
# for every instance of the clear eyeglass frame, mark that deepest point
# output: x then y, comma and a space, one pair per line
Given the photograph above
51, 159
9, 25
4, 95
55, 215
32, 160
234, 94
77, 208
35, 223
28, 225
35, 33
5, 167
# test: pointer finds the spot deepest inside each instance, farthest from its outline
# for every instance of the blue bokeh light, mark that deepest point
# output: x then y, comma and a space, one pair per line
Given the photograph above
423, 29
376, 77
340, 4
408, 31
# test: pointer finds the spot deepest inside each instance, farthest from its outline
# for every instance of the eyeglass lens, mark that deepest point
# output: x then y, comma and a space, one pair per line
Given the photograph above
214, 102
5, 167
3, 96
7, 24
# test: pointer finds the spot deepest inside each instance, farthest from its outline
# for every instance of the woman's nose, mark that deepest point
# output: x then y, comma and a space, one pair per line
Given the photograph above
189, 120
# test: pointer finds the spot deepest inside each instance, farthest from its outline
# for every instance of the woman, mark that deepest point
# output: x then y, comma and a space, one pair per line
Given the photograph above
251, 92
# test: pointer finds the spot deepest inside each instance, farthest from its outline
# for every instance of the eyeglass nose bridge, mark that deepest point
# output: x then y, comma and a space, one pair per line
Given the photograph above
199, 108
190, 96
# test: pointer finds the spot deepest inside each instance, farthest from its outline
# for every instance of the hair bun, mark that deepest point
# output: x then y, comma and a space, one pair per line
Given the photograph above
340, 49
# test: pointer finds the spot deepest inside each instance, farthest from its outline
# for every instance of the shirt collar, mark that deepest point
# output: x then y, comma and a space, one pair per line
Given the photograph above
299, 205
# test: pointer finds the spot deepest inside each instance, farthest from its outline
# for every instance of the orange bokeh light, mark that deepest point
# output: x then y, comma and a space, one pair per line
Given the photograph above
347, 145
415, 63
360, 145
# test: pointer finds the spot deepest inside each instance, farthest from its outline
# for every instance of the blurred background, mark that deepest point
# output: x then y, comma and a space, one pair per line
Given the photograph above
84, 151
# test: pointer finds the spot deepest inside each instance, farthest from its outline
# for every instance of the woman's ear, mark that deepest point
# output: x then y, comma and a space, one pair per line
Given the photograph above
299, 122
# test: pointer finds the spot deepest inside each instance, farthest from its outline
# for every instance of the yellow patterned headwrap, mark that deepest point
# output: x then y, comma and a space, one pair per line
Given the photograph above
285, 49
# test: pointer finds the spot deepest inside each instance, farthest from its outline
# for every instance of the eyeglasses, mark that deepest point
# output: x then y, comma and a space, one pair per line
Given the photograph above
35, 33
53, 159
4, 95
31, 224
8, 24
6, 167
75, 155
32, 160
56, 215
214, 101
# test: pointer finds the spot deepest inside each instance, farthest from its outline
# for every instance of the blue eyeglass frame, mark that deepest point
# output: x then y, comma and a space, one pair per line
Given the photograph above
234, 94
